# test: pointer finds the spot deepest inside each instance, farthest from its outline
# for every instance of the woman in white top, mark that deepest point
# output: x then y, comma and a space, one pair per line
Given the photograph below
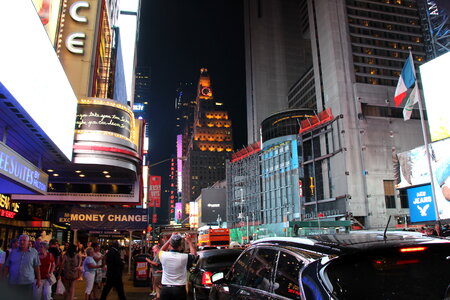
89, 268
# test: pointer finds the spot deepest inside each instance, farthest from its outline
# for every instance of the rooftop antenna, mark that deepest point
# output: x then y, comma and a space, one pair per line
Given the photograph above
385, 229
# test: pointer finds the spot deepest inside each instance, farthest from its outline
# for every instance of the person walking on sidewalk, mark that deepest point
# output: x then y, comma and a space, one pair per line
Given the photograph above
46, 268
175, 265
71, 269
22, 265
56, 252
114, 269
98, 257
89, 268
156, 272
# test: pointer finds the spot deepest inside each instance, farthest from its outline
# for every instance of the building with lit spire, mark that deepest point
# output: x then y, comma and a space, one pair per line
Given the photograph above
210, 144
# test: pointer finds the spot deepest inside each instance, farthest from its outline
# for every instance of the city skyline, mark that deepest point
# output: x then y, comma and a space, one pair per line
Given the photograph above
176, 40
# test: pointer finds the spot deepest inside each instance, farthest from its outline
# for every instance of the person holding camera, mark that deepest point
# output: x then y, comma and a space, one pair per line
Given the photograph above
175, 264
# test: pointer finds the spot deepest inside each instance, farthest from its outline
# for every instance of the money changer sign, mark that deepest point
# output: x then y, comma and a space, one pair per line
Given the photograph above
109, 218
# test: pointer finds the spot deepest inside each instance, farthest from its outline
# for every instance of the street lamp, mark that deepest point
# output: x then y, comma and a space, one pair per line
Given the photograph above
241, 215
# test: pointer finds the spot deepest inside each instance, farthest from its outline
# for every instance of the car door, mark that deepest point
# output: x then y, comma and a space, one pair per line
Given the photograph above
195, 273
259, 283
235, 279
286, 280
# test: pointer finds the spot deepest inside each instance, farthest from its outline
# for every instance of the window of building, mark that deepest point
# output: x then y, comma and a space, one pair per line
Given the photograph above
389, 193
404, 199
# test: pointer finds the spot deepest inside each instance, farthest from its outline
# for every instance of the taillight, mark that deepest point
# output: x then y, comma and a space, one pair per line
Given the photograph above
206, 278
412, 249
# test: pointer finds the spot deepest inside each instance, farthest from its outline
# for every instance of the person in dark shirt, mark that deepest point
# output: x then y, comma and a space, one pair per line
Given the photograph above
114, 268
55, 251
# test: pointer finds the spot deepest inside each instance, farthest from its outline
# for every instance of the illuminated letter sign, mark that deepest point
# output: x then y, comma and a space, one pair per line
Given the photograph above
75, 41
74, 11
78, 41
155, 191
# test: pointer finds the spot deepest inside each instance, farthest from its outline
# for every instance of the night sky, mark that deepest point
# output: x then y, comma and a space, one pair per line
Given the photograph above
177, 38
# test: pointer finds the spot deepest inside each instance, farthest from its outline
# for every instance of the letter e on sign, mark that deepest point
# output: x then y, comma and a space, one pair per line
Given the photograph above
75, 41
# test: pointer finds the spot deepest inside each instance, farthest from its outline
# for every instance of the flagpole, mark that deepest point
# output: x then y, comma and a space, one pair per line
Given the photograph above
427, 151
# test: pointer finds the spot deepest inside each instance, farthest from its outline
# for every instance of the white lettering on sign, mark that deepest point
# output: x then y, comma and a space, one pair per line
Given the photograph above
421, 200
73, 11
75, 41
10, 165
213, 205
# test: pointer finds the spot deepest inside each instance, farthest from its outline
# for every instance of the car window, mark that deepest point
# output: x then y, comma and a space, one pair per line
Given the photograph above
419, 273
260, 270
287, 276
227, 258
238, 272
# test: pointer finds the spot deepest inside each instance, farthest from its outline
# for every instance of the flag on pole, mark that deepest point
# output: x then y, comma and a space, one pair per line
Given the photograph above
406, 80
414, 98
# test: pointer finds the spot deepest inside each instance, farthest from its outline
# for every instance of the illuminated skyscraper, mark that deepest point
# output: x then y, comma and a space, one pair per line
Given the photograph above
210, 144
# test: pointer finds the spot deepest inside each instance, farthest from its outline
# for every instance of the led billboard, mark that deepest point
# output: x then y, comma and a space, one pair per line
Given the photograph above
421, 205
213, 205
32, 73
434, 75
414, 171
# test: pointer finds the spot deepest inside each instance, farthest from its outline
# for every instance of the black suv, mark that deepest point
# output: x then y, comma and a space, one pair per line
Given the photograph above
393, 265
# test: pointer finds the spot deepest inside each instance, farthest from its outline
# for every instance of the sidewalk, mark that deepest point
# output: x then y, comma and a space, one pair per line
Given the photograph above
131, 292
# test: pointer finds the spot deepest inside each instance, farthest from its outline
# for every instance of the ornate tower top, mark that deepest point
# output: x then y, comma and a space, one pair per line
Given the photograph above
204, 85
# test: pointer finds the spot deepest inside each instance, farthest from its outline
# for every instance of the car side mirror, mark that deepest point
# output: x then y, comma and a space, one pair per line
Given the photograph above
217, 278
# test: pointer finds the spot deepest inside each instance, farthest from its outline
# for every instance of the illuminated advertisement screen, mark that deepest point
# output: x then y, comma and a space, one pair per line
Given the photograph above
105, 116
42, 89
179, 163
436, 90
414, 171
178, 212
213, 205
421, 205
155, 191
193, 214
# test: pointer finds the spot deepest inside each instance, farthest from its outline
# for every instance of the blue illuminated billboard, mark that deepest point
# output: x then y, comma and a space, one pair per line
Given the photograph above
421, 204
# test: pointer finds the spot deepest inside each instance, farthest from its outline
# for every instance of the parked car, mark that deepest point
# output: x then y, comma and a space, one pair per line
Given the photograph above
397, 265
207, 263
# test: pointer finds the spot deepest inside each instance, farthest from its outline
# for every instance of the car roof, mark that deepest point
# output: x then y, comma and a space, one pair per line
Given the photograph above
351, 242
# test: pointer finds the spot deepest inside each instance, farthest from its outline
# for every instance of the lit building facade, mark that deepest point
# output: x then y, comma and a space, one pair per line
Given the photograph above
107, 142
210, 144
265, 181
352, 53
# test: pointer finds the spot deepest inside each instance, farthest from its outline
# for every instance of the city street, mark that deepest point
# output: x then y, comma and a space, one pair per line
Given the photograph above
131, 292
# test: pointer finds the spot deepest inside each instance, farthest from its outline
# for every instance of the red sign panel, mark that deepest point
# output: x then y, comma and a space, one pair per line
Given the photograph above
154, 197
154, 218
7, 213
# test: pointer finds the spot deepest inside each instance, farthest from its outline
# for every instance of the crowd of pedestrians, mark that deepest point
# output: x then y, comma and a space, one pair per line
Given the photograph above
40, 269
